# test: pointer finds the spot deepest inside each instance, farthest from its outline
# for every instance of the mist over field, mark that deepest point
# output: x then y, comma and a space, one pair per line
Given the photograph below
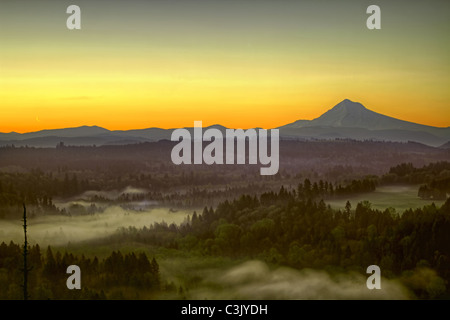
255, 280
59, 230
101, 199
112, 194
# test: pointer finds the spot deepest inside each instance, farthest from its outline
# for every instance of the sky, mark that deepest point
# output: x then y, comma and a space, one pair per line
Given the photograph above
238, 63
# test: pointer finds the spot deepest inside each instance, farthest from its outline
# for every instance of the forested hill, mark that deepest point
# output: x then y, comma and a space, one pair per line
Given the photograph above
282, 229
332, 158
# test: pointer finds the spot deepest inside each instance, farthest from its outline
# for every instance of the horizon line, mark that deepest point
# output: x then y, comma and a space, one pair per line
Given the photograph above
216, 124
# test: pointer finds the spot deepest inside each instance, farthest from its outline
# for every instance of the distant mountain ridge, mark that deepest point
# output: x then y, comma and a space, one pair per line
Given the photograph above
352, 120
346, 120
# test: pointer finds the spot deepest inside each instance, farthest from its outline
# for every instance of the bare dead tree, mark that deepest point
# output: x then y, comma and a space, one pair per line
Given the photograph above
25, 254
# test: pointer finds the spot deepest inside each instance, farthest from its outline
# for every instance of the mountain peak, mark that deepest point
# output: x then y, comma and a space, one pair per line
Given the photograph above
349, 105
350, 114
347, 114
351, 120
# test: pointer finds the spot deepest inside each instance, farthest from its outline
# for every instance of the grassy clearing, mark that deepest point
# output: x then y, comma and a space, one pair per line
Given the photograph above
398, 197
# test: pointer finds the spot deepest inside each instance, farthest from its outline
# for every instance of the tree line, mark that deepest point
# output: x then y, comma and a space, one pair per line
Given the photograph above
437, 189
410, 174
285, 229
118, 276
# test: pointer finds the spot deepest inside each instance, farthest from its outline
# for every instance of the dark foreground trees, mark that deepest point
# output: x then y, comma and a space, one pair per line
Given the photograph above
118, 276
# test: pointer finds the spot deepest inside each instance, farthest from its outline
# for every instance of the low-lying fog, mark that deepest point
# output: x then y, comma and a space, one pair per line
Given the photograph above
113, 194
59, 229
254, 280
91, 215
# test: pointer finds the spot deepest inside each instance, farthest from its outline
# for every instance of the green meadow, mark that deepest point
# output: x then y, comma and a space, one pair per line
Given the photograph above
399, 197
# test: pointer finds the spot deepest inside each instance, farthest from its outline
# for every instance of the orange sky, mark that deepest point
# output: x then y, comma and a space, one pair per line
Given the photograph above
236, 65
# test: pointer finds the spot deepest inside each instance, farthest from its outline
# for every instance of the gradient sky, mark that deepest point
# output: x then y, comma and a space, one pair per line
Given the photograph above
240, 63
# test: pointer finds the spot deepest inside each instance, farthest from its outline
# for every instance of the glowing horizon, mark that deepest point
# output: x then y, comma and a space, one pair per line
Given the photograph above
184, 125
237, 64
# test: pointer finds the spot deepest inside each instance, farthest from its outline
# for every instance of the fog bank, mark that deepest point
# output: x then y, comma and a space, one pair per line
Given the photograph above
59, 229
255, 280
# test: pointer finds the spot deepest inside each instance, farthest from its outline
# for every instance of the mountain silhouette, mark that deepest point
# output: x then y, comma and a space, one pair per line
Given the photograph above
352, 120
346, 120
351, 114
